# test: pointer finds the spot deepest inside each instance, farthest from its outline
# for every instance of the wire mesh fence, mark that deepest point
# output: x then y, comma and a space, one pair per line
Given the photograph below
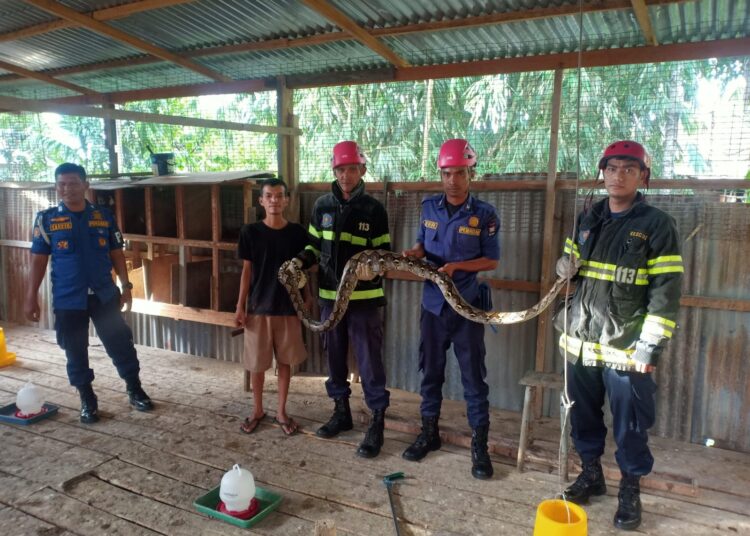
693, 117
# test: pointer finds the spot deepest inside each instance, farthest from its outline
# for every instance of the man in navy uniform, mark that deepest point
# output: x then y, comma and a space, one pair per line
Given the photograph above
85, 244
344, 222
458, 233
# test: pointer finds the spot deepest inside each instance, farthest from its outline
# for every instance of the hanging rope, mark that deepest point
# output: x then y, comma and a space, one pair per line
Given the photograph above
565, 402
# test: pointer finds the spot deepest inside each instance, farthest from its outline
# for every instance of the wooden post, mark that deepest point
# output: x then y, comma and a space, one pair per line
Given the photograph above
215, 238
552, 219
149, 205
523, 440
183, 253
110, 141
288, 146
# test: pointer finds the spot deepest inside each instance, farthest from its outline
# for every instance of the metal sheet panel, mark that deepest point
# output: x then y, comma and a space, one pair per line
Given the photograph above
219, 22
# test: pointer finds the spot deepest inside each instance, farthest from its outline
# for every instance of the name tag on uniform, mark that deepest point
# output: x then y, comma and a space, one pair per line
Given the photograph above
431, 224
61, 226
98, 223
469, 231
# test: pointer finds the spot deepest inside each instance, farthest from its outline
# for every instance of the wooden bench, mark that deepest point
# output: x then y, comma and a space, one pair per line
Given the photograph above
532, 380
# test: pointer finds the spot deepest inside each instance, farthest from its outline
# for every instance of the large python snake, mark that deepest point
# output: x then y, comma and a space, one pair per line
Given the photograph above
372, 263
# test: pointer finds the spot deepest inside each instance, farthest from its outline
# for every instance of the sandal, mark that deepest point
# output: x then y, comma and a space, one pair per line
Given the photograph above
249, 425
289, 427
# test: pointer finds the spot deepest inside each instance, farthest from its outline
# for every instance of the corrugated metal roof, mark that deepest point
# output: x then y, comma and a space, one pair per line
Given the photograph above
15, 14
63, 48
203, 24
222, 22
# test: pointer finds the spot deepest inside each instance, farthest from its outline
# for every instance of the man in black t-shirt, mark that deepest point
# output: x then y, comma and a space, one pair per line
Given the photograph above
271, 324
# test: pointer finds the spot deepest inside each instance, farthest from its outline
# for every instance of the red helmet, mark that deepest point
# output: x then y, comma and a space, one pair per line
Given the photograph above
456, 153
347, 152
627, 149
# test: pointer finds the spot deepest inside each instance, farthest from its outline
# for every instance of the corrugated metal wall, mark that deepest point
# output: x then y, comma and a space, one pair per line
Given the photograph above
704, 377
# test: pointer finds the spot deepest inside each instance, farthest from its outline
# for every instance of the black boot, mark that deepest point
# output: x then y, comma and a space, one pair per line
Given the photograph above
137, 396
589, 483
481, 466
427, 440
370, 446
340, 421
628, 516
89, 404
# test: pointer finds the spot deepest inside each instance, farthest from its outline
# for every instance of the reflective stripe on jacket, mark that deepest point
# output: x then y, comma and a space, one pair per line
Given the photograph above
628, 286
338, 230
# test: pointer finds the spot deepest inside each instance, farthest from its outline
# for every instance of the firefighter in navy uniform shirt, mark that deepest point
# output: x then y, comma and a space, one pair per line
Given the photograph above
344, 222
458, 233
85, 244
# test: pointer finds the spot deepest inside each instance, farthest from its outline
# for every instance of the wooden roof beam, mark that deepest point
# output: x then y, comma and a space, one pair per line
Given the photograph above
325, 9
99, 27
110, 13
30, 105
26, 73
644, 21
190, 90
723, 48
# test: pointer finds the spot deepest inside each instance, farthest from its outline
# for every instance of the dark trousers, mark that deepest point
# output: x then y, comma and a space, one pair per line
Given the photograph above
72, 327
632, 401
438, 332
363, 326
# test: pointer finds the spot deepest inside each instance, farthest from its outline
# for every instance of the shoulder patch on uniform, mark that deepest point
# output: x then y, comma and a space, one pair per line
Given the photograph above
492, 227
326, 221
431, 224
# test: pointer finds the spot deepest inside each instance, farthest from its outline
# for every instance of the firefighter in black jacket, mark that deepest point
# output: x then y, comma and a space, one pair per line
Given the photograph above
626, 258
343, 223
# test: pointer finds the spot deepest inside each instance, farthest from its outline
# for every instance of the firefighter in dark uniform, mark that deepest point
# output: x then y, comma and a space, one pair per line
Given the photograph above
626, 259
458, 233
343, 223
85, 244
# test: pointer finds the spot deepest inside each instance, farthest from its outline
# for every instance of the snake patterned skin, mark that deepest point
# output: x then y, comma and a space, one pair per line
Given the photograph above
371, 263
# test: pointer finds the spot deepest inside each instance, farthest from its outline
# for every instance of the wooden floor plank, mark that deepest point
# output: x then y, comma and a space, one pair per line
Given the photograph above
76, 516
19, 522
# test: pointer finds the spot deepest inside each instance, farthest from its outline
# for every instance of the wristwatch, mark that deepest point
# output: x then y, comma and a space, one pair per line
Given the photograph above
127, 286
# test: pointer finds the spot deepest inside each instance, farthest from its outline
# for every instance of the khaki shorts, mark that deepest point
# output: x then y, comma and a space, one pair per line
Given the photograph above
269, 336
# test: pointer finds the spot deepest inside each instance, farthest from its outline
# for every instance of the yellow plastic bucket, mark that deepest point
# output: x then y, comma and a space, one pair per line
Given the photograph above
553, 518
6, 358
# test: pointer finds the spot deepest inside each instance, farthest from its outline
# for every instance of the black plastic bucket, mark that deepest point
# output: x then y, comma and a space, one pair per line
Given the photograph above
162, 163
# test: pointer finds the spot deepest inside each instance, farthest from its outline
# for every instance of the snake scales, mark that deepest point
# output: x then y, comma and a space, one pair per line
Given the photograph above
374, 262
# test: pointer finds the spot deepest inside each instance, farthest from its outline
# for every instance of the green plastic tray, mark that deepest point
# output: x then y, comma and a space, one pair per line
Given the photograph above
208, 503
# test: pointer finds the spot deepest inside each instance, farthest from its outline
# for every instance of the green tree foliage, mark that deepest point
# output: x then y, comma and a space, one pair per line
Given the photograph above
506, 118
202, 149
